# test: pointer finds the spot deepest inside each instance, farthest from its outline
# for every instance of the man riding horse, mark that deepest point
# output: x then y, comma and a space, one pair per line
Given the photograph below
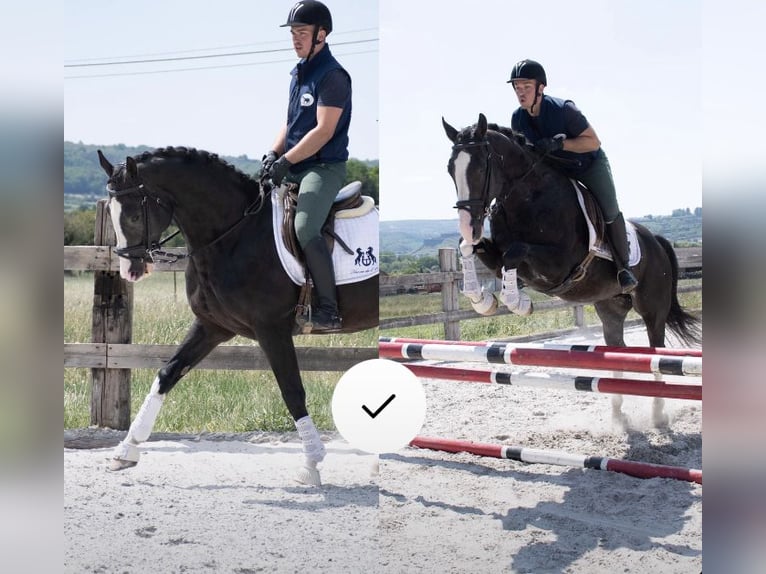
312, 148
559, 130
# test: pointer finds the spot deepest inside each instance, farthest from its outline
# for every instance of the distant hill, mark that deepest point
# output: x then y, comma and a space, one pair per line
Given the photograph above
417, 237
84, 180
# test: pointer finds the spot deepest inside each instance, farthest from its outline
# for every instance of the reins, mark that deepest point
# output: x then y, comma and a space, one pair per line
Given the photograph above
483, 201
153, 251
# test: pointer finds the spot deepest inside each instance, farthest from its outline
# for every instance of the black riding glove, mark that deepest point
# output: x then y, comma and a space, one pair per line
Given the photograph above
268, 160
278, 170
548, 145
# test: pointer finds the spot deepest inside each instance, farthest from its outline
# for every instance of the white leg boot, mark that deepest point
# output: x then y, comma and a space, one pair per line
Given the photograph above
313, 449
126, 454
512, 297
482, 301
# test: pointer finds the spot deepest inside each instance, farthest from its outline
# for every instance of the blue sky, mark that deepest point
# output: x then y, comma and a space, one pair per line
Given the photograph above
233, 110
633, 68
641, 73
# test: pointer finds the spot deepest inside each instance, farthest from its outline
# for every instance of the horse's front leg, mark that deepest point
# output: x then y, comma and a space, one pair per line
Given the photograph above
482, 301
277, 344
511, 295
200, 340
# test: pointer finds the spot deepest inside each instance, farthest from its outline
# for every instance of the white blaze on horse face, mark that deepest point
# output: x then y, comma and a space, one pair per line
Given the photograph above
116, 211
463, 192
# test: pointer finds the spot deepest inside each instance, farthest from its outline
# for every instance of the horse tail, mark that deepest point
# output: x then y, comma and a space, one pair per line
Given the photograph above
683, 324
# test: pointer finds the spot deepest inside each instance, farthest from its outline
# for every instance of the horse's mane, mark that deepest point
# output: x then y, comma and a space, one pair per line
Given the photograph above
512, 135
199, 157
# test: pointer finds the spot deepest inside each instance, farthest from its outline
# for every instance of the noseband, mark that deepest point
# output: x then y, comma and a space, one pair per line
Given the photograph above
477, 207
147, 250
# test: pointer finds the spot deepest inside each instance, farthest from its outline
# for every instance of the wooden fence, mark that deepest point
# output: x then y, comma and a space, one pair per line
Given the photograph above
110, 354
689, 260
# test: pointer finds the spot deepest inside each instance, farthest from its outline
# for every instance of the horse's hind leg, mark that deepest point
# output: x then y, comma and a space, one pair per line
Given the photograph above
612, 313
655, 329
199, 341
277, 344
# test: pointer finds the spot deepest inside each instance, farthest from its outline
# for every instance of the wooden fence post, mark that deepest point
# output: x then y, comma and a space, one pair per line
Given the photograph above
579, 315
448, 262
112, 323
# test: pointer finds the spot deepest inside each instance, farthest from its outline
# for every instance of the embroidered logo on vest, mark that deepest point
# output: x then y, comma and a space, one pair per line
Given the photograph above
306, 100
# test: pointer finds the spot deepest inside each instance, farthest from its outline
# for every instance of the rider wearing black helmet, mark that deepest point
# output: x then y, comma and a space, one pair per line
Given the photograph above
558, 128
312, 147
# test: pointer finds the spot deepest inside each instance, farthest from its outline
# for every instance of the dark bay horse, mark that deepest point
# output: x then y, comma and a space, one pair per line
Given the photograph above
538, 230
235, 282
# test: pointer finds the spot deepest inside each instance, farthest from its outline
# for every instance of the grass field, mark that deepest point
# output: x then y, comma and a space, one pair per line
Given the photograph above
500, 327
204, 400
241, 401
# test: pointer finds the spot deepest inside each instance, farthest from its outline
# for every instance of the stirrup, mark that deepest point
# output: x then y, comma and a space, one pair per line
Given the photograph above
325, 322
627, 281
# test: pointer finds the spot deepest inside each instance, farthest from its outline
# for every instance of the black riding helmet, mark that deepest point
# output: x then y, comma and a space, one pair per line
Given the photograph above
309, 13
528, 70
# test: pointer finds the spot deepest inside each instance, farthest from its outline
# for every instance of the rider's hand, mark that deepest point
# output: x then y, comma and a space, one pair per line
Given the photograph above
278, 170
268, 160
548, 145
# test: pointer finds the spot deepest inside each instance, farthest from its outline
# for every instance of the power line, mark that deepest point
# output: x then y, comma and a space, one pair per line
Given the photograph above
229, 47
180, 58
116, 74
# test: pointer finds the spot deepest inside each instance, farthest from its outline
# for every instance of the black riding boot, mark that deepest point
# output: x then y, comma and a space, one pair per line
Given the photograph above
319, 261
619, 241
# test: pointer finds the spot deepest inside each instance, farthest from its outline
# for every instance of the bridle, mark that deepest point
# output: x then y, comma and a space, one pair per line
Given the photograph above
152, 251
481, 207
478, 207
147, 250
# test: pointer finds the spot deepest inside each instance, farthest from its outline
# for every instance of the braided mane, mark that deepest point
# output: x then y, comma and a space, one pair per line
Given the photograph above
199, 157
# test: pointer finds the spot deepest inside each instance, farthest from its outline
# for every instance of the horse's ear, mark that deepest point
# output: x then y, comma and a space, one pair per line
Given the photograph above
481, 127
105, 165
131, 167
449, 130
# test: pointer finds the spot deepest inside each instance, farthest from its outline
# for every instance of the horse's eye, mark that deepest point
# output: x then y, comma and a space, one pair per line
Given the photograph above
135, 219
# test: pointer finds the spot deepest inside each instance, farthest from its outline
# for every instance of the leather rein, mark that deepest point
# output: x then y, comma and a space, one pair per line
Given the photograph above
152, 251
480, 207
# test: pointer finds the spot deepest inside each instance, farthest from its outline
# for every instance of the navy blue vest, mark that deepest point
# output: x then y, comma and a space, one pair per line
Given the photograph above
552, 121
302, 110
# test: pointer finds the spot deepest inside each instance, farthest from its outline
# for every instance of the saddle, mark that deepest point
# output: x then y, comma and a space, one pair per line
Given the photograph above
348, 203
592, 211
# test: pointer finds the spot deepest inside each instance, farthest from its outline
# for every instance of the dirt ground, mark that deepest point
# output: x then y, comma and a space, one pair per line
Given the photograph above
228, 503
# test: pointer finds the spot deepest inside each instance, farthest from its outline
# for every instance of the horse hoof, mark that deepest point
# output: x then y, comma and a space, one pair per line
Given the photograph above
117, 464
487, 305
309, 476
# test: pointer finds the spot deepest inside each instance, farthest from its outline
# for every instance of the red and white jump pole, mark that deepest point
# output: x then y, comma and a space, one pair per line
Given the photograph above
507, 354
635, 387
559, 458
666, 351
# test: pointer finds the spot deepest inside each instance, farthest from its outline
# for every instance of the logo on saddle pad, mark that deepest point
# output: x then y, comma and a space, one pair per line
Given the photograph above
365, 258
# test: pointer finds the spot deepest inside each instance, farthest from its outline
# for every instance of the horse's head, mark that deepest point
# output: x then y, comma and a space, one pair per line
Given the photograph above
138, 216
470, 168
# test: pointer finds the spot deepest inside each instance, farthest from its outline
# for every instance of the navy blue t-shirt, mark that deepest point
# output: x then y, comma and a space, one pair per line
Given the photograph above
557, 116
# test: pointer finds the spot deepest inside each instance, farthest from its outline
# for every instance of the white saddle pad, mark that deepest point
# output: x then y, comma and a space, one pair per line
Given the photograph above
359, 233
600, 248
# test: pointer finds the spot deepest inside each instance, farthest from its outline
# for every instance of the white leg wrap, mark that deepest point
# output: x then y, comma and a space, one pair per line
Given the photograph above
313, 447
512, 297
147, 414
482, 301
126, 451
471, 286
142, 425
